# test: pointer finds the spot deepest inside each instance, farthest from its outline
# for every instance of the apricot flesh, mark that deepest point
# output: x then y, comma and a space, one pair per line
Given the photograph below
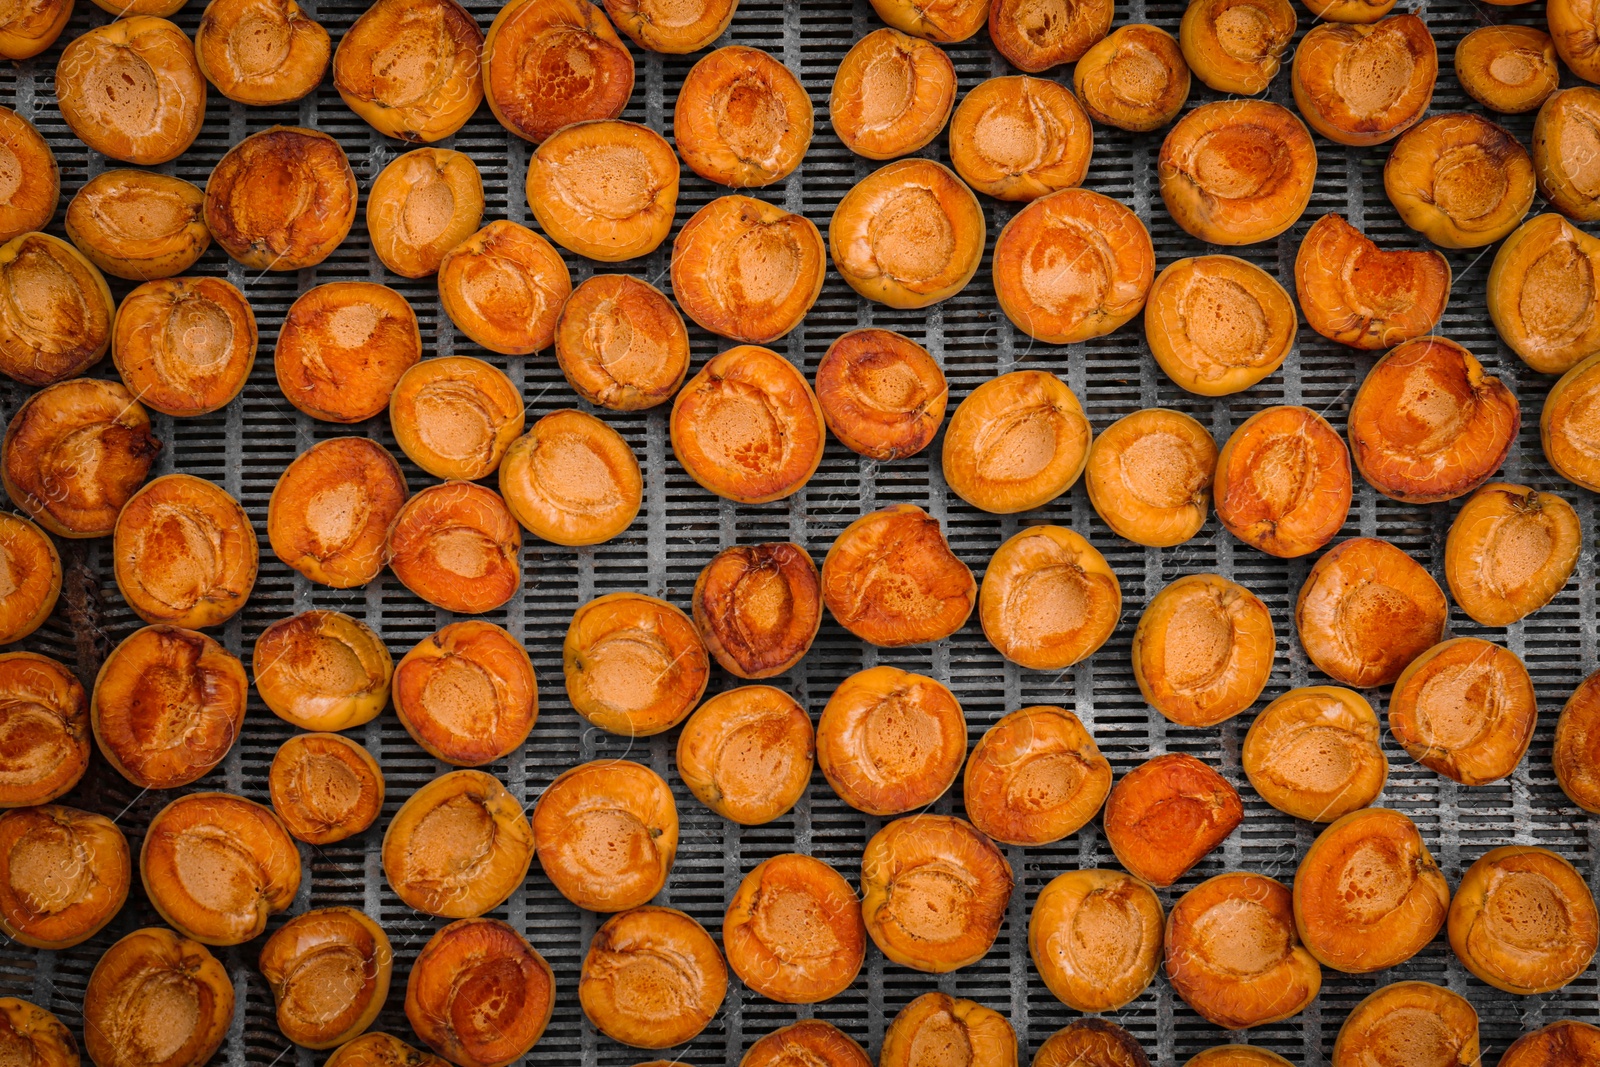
1149, 476
177, 989
467, 694
1237, 172
44, 717
32, 566
980, 1036
742, 118
1095, 937
1575, 753
67, 324
1020, 138
1016, 442
1049, 598
652, 978
1314, 753
410, 68
325, 787
908, 235
1465, 708
1459, 180
64, 875
793, 931
1557, 1045
758, 607
1035, 36
607, 834
185, 346
1542, 293
458, 847
1510, 69
1523, 920
1204, 650
1218, 325
1364, 296
479, 994
1564, 136
892, 94
634, 665
1035, 777
1366, 611
1283, 482
330, 511
891, 579
1135, 78
881, 394
889, 741
1166, 814
1510, 551
1236, 46
1427, 1024
1365, 84
747, 754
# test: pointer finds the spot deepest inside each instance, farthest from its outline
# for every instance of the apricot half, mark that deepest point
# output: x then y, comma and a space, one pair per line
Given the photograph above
44, 719
1016, 442
1237, 1056
1020, 138
890, 741
1353, 11
746, 269
342, 349
479, 994
1236, 46
1466, 709
1366, 611
184, 553
1541, 294
422, 205
1358, 294
1049, 599
458, 847
1563, 1043
742, 118
1575, 27
652, 978
281, 199
30, 180
1575, 754
457, 546
131, 90
1566, 424
64, 875
1511, 549
891, 579
261, 52
1365, 84
455, 416
605, 189
330, 511
550, 63
1072, 265
891, 95
178, 992
36, 1036
934, 891
882, 394
325, 788
1523, 920
503, 287
216, 866
377, 1049
908, 235
32, 28
1149, 476
1166, 814
1417, 1023
1237, 172
1368, 894
56, 311
167, 706
676, 27
1459, 180
1035, 777
1204, 650
758, 607
1283, 482
1510, 69
621, 343
137, 224
1035, 35
329, 971
32, 569
1091, 1043
937, 1023
1218, 325
793, 931
634, 665
607, 834
1233, 955
1095, 937
945, 21
1135, 79
805, 1042
747, 753
1566, 134
467, 694
410, 68
572, 480
185, 346
1315, 753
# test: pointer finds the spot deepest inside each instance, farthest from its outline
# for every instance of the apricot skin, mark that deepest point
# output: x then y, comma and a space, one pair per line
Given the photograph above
1166, 814
882, 557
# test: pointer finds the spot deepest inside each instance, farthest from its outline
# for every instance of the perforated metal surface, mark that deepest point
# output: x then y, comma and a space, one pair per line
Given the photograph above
246, 447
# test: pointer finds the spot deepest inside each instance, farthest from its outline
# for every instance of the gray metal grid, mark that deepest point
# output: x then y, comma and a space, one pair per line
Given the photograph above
680, 527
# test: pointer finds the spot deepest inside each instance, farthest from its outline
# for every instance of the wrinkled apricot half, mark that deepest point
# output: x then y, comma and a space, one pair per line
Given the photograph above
1541, 294
550, 63
937, 1023
891, 95
621, 344
455, 416
747, 753
1358, 294
458, 847
1567, 1043
185, 346
653, 978
748, 427
908, 235
1367, 610
1236, 46
330, 511
1567, 425
44, 719
64, 874
1466, 709
1365, 84
1218, 325
1035, 777
742, 118
1237, 172
467, 694
343, 347
479, 994
261, 52
1575, 27
1020, 138
1510, 69
746, 269
155, 988
167, 706
31, 570
1566, 134
1459, 180
422, 205
805, 1042
36, 1036
1072, 265
410, 68
1049, 599
216, 866
281, 199
55, 310
184, 553
572, 480
138, 225
1237, 1056
1575, 754
890, 741
1315, 753
325, 788
1035, 35
32, 27
458, 547
30, 180
1523, 920
1095, 937
1016, 442
329, 971
882, 394
377, 1049
758, 607
503, 287
891, 579
1166, 814
131, 90
1091, 1043
676, 27
605, 189
1283, 482
793, 930
1204, 650
945, 21
934, 891
607, 834
1135, 79
1149, 476
1417, 1023
1510, 550
634, 665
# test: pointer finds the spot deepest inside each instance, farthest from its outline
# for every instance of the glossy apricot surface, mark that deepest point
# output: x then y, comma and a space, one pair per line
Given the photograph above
889, 741
1236, 46
891, 579
30, 180
892, 94
1049, 598
1315, 753
1565, 138
746, 269
1237, 1056
1575, 27
653, 978
1149, 476
261, 52
607, 833
1135, 78
55, 319
329, 514
605, 189
1563, 1043
1510, 68
422, 205
167, 706
156, 1000
550, 63
1424, 1024
634, 665
137, 224
33, 27
185, 346
281, 199
467, 694
1020, 138
1367, 610
1523, 920
410, 68
1542, 293
1091, 1043
1575, 754
1358, 294
329, 971
747, 753
64, 875
458, 847
1465, 708
342, 349
936, 1023
1166, 814
908, 235
44, 719
1365, 84
882, 394
36, 1036
184, 552
1351, 11
1016, 442
377, 1049
31, 567
934, 891
479, 994
621, 343
325, 787
1237, 172
945, 21
1035, 35
1035, 777
572, 480
504, 287
1217, 324
457, 546
793, 930
809, 1041
1095, 937
742, 118
676, 27
1459, 180
1204, 650
1565, 423
455, 416
131, 90
1283, 481
758, 607
1510, 550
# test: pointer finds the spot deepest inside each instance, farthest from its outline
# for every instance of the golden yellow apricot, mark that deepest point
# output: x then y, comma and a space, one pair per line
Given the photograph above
131, 90
1459, 180
1149, 476
467, 694
1542, 293
1035, 35
1095, 937
1575, 28
410, 68
185, 346
882, 394
621, 343
1135, 79
1365, 84
479, 994
1236, 46
422, 205
56, 312
29, 559
1366, 611
457, 546
1510, 550
652, 978
1410, 1022
282, 199
1166, 814
742, 118
504, 287
1315, 753
1016, 442
178, 990
1466, 709
138, 225
1237, 172
1510, 69
1523, 920
1204, 650
261, 52
1283, 482
1575, 754
1035, 777
550, 63
978, 1036
607, 834
605, 189
747, 753
325, 787
184, 553
892, 94
1049, 599
44, 717
1020, 138
746, 269
329, 971
1218, 325
1358, 294
64, 875
793, 931
33, 27
634, 665
456, 416
676, 27
890, 741
572, 480
908, 235
330, 511
458, 847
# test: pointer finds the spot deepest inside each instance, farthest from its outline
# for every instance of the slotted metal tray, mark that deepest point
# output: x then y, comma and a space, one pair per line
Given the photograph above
246, 446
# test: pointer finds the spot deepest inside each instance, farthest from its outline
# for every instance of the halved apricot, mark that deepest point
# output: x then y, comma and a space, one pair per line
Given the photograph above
503, 287
455, 416
572, 480
32, 28
742, 118
422, 205
1091, 1043
1366, 611
330, 511
458, 847
31, 571
30, 180
1354, 11
1237, 1056
891, 95
479, 994
1020, 138
1204, 650
325, 787
1166, 814
1016, 442
131, 90
758, 607
1315, 753
1466, 709
410, 68
939, 1024
621, 344
550, 63
179, 993
56, 312
185, 346
1035, 777
281, 199
1566, 425
634, 665
908, 235
322, 670
890, 741
64, 875
1541, 293
607, 834
1575, 27
1072, 265
1283, 481
36, 1036
1417, 1023
746, 269
1035, 35
652, 978
945, 21
1217, 324
1510, 69
891, 579
882, 394
934, 891
342, 348
467, 694
1523, 920
747, 753
1149, 476
329, 971
1566, 135
458, 547
1459, 180
167, 706
377, 1049
748, 427
261, 52
1567, 1043
1575, 754
605, 189
1049, 599
184, 553
1368, 894
44, 719
1510, 550
1237, 172
1236, 46
807, 1041
216, 866
137, 224
676, 27
793, 930
1358, 294
1135, 79
1365, 84
1095, 937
